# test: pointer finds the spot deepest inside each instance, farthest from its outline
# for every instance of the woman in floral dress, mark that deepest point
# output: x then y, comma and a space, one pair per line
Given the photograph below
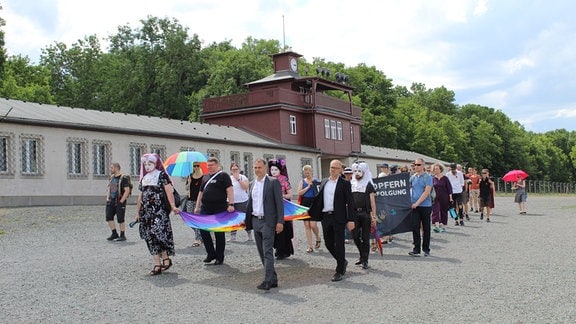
154, 204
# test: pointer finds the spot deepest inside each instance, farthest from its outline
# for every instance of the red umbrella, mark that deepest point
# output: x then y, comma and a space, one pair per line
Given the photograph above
512, 176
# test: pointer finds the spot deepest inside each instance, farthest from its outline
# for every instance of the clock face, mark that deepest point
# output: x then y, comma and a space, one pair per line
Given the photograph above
293, 64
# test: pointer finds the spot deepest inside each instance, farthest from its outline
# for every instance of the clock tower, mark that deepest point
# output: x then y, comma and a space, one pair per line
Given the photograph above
286, 61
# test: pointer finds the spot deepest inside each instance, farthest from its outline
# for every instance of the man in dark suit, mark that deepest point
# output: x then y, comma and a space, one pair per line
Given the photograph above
334, 206
265, 215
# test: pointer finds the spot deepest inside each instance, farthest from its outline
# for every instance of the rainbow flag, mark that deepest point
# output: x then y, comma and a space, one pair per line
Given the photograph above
226, 222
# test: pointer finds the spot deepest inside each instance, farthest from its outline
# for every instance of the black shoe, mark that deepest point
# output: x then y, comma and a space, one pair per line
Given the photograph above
281, 257
274, 284
166, 263
456, 224
414, 254
461, 223
476, 211
365, 265
345, 266
467, 218
209, 259
359, 262
121, 238
426, 254
337, 277
113, 236
265, 285
482, 216
219, 262
488, 220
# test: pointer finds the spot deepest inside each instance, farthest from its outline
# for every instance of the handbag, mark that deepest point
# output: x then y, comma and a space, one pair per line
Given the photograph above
452, 212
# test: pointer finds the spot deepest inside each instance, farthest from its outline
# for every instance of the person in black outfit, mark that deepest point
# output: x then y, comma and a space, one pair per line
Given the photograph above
118, 192
364, 195
216, 196
334, 206
283, 240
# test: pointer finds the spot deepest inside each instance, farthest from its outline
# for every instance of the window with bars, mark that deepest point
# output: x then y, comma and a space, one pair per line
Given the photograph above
74, 158
136, 151
235, 157
268, 157
214, 153
101, 156
305, 161
247, 166
3, 154
31, 150
159, 149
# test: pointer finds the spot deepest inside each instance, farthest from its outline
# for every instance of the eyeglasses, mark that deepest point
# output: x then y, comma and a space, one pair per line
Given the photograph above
417, 164
195, 166
484, 172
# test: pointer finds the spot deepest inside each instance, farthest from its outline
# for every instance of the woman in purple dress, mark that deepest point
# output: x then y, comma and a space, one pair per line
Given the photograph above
443, 199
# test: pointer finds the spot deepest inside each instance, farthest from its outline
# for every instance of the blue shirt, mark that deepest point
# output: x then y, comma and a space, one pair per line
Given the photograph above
418, 184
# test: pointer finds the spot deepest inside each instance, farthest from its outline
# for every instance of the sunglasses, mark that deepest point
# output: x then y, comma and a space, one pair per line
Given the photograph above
418, 164
196, 166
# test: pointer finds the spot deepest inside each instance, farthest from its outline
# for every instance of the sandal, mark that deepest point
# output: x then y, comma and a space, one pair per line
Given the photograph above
309, 250
196, 244
373, 246
317, 246
166, 266
156, 270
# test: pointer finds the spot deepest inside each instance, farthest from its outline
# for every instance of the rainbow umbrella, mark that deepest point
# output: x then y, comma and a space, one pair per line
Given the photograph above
180, 164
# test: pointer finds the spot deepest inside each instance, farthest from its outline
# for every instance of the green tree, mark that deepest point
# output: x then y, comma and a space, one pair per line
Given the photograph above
2, 44
26, 82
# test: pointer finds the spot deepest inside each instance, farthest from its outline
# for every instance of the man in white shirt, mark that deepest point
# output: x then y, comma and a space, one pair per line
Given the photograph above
457, 181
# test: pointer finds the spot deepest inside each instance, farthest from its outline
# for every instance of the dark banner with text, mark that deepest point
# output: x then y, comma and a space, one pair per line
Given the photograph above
393, 206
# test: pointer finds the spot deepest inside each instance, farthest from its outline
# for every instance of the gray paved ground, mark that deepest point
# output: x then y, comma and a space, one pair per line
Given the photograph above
57, 267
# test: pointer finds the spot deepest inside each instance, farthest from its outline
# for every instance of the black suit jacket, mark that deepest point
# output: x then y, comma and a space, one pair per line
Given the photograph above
273, 204
344, 210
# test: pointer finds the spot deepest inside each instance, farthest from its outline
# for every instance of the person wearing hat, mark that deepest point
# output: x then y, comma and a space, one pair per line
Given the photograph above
383, 170
348, 173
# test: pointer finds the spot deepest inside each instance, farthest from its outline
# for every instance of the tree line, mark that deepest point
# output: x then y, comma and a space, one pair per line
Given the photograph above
160, 69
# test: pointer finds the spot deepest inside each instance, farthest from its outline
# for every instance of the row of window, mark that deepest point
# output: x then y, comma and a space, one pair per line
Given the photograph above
78, 158
332, 128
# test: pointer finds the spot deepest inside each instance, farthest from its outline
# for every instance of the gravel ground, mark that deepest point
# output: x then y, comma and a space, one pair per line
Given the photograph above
58, 267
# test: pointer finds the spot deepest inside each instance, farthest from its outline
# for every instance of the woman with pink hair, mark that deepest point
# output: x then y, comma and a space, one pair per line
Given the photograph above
154, 204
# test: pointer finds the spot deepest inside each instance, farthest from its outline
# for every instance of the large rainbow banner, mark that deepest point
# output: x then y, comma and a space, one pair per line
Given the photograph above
226, 222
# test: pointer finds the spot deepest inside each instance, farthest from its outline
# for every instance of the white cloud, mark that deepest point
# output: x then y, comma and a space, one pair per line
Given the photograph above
487, 51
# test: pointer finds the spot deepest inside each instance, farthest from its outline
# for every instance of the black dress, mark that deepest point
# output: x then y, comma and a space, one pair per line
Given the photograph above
283, 240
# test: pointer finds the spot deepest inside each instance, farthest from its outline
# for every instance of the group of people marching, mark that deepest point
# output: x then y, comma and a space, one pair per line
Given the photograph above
340, 205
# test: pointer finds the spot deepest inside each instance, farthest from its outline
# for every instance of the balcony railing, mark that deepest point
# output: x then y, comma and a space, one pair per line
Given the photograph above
277, 96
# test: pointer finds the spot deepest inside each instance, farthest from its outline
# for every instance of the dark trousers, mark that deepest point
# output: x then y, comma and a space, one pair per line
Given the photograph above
264, 237
334, 240
212, 252
421, 221
362, 235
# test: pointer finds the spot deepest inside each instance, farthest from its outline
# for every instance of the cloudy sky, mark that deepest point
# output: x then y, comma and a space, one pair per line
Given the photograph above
517, 56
